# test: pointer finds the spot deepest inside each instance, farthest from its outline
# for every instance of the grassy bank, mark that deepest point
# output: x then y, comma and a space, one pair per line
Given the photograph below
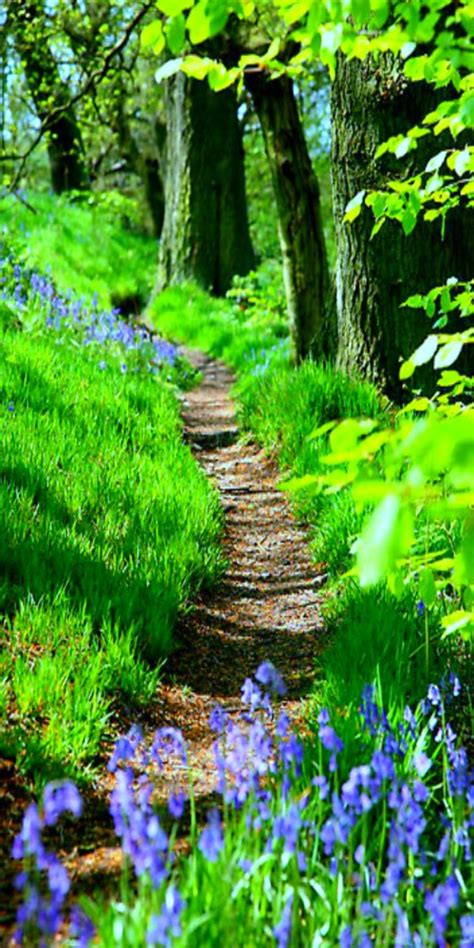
90, 245
107, 524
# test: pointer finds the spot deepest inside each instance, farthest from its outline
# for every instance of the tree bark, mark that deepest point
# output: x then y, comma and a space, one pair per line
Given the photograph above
205, 235
49, 92
300, 228
370, 102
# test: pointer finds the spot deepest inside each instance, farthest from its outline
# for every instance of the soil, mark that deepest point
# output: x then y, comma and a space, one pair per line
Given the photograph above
267, 606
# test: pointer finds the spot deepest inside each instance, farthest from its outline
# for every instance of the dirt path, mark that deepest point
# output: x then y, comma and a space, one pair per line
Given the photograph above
266, 607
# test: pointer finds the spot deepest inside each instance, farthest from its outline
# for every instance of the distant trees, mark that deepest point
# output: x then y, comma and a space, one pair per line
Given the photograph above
297, 198
50, 94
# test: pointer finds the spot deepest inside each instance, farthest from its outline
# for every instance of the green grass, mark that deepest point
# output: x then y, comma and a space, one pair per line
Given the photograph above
84, 245
107, 528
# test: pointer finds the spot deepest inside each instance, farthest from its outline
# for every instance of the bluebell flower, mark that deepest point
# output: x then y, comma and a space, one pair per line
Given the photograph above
467, 931
439, 903
168, 743
59, 798
211, 841
282, 931
176, 802
268, 676
81, 928
167, 924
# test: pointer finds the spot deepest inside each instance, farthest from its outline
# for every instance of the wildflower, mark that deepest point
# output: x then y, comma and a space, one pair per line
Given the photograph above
168, 743
268, 676
125, 748
439, 904
176, 803
467, 931
420, 607
59, 798
211, 841
81, 927
345, 938
422, 763
282, 931
286, 827
168, 924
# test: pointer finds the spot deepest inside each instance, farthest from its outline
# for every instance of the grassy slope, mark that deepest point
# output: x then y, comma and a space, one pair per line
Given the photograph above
84, 246
107, 526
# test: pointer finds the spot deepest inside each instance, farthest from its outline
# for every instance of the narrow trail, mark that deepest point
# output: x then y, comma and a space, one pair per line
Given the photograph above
266, 607
268, 604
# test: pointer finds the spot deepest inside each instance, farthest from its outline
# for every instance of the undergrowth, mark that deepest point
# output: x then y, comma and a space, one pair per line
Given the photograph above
86, 249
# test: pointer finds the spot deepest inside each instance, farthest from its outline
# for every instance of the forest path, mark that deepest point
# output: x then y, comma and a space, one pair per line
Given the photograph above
266, 607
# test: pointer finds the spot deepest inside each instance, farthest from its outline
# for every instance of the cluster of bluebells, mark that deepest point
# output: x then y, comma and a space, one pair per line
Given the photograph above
32, 295
43, 880
381, 834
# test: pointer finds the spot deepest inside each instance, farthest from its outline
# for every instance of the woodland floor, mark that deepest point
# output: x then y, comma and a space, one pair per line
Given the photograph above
266, 607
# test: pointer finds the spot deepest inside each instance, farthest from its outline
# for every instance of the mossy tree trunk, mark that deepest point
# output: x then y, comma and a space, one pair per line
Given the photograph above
370, 102
205, 234
50, 96
300, 228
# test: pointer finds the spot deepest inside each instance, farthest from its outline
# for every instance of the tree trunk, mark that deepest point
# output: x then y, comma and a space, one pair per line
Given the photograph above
205, 232
370, 102
48, 92
300, 228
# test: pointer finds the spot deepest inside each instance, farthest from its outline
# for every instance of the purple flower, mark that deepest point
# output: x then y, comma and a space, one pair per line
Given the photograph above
168, 924
59, 798
168, 743
434, 695
176, 802
282, 930
345, 938
268, 676
125, 748
420, 607
439, 904
467, 931
211, 841
81, 928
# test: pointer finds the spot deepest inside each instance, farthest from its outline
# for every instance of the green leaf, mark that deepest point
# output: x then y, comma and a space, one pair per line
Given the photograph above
403, 147
467, 109
175, 32
426, 351
456, 621
447, 354
354, 206
169, 68
152, 37
436, 161
387, 536
173, 8
449, 378
408, 221
406, 370
427, 587
322, 430
197, 67
206, 20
